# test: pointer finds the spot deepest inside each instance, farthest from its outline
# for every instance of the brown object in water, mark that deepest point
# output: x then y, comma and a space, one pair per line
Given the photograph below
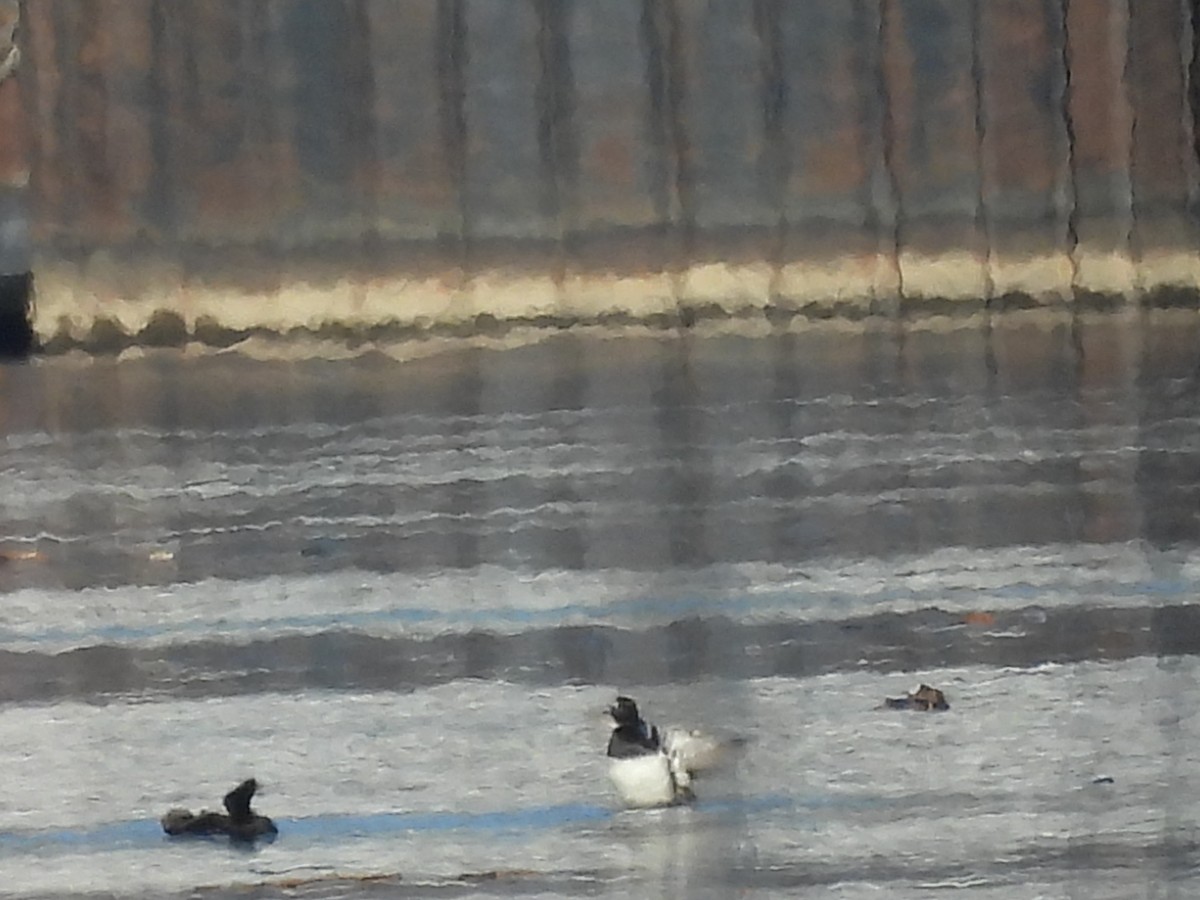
22, 555
923, 699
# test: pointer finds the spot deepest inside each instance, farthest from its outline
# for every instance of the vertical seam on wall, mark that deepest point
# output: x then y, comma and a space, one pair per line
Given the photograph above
555, 113
65, 144
160, 181
259, 54
451, 56
545, 103
677, 130
27, 84
1131, 237
659, 177
768, 27
982, 220
1070, 191
887, 127
660, 30
365, 142
95, 160
1189, 14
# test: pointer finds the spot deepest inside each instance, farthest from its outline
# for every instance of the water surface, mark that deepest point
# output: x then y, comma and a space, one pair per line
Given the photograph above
400, 594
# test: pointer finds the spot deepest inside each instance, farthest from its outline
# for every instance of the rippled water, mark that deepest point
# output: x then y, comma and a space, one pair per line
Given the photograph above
401, 593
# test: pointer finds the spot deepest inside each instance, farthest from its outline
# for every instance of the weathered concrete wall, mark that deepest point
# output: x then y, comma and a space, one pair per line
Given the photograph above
273, 164
14, 172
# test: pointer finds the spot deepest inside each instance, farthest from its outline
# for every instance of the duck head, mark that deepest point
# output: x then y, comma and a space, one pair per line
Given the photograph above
625, 712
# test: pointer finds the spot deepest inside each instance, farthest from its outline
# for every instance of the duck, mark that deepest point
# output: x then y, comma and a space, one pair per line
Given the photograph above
923, 699
650, 767
238, 822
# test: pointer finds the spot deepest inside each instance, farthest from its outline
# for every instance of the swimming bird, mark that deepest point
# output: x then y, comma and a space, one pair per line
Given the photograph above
923, 699
238, 821
649, 767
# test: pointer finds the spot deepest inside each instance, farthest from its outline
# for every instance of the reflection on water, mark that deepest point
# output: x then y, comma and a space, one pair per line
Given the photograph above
399, 594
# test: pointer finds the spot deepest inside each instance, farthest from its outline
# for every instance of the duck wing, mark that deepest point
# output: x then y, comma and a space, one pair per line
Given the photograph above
237, 801
694, 751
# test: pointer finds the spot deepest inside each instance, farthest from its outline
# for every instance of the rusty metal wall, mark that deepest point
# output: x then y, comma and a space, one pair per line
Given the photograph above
230, 166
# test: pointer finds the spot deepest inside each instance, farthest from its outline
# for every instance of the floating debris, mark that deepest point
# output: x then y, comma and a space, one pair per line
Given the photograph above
20, 554
319, 547
499, 875
979, 618
923, 699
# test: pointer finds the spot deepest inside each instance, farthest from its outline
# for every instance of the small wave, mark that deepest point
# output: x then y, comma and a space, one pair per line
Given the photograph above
509, 601
685, 648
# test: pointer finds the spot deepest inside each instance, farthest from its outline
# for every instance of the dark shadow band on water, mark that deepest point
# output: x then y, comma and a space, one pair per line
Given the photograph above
679, 651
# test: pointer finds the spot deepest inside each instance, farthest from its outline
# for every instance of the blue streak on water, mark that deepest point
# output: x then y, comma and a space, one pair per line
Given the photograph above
353, 825
346, 826
140, 832
109, 836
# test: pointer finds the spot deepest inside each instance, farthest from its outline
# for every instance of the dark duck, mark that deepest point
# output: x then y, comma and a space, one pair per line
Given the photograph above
239, 822
923, 699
